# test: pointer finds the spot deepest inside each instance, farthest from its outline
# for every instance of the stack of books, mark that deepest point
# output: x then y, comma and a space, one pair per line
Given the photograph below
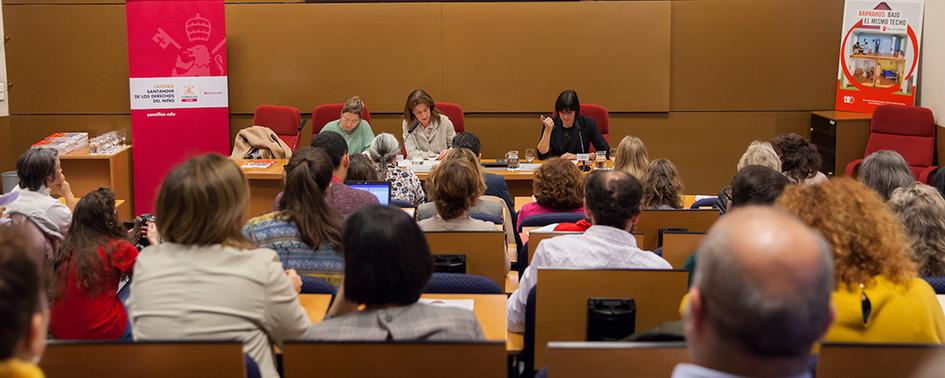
64, 142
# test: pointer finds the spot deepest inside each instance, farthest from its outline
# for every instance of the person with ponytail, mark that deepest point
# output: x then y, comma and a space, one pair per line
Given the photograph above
306, 232
87, 270
404, 183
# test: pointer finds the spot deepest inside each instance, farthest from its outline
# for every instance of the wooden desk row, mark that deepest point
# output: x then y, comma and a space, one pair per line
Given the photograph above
452, 359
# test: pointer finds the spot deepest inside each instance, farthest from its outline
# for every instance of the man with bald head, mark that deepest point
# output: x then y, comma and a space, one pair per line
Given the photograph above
760, 298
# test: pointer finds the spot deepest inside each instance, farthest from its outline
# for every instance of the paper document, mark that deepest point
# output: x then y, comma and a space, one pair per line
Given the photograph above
465, 304
257, 164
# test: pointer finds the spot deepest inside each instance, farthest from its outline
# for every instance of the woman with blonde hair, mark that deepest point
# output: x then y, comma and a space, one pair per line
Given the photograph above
207, 281
352, 126
922, 211
662, 186
760, 153
878, 296
631, 157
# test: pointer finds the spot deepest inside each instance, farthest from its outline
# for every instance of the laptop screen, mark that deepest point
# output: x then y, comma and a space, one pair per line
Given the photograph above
380, 189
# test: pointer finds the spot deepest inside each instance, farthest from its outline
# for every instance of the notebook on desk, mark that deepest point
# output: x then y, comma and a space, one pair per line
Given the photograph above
380, 189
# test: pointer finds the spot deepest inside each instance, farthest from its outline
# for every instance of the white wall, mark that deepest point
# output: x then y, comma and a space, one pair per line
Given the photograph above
932, 87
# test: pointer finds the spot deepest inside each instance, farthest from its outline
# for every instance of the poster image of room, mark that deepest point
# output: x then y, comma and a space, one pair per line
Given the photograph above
878, 60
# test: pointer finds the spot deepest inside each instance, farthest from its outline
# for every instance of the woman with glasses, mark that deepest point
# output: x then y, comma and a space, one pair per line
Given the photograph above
357, 131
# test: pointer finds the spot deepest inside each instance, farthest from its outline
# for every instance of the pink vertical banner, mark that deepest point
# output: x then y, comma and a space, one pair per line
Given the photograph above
179, 104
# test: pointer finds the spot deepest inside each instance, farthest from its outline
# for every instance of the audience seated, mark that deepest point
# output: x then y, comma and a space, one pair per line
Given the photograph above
40, 175
558, 187
758, 153
23, 311
493, 209
800, 160
938, 181
878, 296
631, 157
922, 210
495, 184
662, 186
387, 265
344, 199
455, 186
306, 233
752, 185
404, 184
612, 200
356, 131
87, 270
760, 298
428, 133
206, 281
362, 168
884, 171
757, 185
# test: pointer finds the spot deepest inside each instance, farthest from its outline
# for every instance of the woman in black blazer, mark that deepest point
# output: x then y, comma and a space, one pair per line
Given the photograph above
569, 133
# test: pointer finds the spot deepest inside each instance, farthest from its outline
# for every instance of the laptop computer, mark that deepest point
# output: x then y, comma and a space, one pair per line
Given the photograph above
380, 189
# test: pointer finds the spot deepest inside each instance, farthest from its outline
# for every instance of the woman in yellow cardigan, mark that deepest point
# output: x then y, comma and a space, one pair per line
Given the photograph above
878, 298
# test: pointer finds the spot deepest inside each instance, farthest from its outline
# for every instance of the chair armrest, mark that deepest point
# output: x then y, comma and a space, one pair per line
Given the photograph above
851, 168
926, 173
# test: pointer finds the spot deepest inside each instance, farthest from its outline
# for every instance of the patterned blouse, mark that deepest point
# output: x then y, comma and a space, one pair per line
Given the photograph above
404, 185
275, 232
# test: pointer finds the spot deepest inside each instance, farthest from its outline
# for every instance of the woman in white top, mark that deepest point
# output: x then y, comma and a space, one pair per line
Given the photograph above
207, 281
428, 133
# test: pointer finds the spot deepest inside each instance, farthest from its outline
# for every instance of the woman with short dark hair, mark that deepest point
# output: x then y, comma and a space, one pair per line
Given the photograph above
361, 168
569, 133
40, 175
387, 265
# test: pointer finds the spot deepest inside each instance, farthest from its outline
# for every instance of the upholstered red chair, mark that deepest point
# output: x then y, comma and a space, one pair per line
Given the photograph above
455, 113
908, 130
285, 121
325, 113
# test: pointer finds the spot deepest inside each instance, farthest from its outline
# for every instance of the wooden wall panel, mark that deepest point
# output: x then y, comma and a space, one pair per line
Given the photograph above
308, 54
7, 155
67, 59
755, 55
515, 57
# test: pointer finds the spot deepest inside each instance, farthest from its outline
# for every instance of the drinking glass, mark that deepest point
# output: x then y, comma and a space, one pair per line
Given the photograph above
512, 159
529, 154
600, 159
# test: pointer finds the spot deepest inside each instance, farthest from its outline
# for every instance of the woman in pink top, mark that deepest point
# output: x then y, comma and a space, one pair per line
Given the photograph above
558, 188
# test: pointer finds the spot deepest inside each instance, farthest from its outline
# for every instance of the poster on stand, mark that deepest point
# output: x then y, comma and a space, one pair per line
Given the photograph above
879, 54
179, 104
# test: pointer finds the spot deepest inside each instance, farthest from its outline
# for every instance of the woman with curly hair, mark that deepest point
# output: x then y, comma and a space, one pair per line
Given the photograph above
662, 186
800, 160
885, 171
558, 188
878, 297
922, 210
